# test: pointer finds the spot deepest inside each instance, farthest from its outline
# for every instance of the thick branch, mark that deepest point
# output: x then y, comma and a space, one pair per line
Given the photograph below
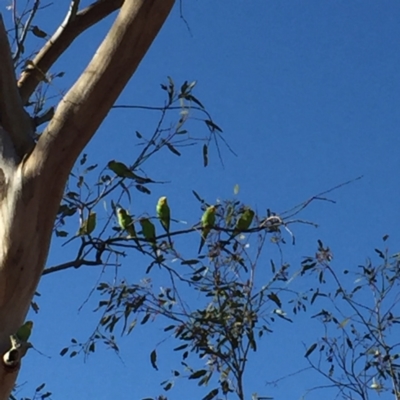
13, 117
81, 111
72, 26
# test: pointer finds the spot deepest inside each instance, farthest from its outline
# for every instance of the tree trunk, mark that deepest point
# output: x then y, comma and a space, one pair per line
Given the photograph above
33, 176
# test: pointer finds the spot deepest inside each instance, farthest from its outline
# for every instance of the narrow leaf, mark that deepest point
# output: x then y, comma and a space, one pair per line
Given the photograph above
212, 126
205, 155
195, 100
272, 296
198, 374
211, 395
38, 32
64, 351
153, 360
143, 189
39, 388
381, 255
310, 350
172, 149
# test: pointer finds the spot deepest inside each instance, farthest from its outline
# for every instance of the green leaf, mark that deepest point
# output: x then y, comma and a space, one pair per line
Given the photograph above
192, 85
381, 255
168, 328
64, 351
195, 100
72, 195
310, 349
306, 267
181, 347
90, 168
131, 326
344, 323
252, 342
61, 233
38, 32
211, 395
39, 388
153, 360
205, 155
184, 87
66, 211
314, 296
190, 262
272, 296
273, 268
198, 374
145, 319
168, 386
143, 189
172, 149
212, 126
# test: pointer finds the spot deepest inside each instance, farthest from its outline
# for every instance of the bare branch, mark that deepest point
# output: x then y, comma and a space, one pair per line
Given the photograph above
20, 40
13, 117
74, 24
296, 209
71, 264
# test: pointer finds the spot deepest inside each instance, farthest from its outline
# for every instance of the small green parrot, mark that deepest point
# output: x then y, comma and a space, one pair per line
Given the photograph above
24, 331
126, 223
149, 232
207, 223
164, 215
244, 221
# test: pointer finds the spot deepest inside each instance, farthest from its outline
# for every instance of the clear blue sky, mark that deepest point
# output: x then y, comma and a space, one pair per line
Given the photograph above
307, 94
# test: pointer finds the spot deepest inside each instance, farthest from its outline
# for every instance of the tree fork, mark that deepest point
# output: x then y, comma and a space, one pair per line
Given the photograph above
67, 32
32, 183
13, 117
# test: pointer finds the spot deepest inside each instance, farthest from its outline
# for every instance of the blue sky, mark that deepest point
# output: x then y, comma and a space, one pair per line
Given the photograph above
307, 95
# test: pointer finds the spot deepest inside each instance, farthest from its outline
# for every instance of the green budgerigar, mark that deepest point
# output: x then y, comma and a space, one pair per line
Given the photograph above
164, 215
24, 331
149, 232
125, 222
207, 223
244, 221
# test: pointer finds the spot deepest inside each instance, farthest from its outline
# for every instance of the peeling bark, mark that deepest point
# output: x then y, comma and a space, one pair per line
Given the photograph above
32, 183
